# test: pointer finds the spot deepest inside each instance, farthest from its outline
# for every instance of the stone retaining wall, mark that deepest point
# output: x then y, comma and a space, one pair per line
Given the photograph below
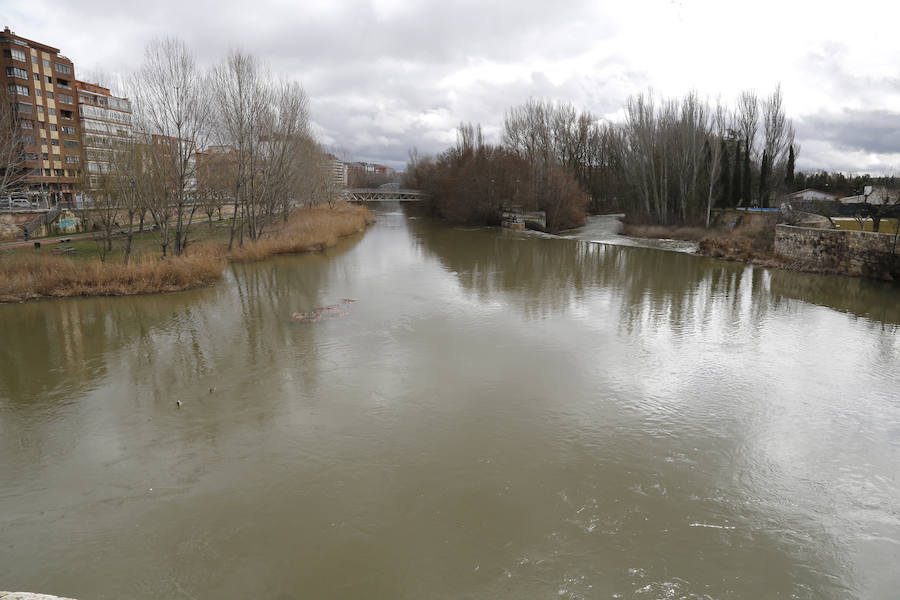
860, 253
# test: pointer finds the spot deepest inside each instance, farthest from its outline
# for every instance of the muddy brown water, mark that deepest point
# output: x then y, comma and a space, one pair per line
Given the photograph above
500, 415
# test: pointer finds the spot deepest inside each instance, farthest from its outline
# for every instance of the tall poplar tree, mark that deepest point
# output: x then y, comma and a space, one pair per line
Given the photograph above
764, 181
746, 192
736, 183
789, 170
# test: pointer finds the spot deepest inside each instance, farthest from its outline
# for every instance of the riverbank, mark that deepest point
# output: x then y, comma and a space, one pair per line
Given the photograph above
752, 245
32, 273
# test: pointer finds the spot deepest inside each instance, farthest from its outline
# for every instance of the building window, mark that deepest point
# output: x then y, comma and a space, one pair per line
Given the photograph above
66, 114
46, 63
44, 141
28, 140
54, 142
63, 83
72, 160
34, 59
65, 99
40, 109
47, 172
14, 54
70, 143
45, 156
51, 111
58, 172
37, 76
65, 69
56, 157
16, 72
38, 92
68, 130
31, 156
49, 95
24, 107
21, 90
52, 127
26, 124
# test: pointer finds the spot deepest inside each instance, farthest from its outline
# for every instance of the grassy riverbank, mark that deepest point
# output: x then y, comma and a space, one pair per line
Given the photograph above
29, 273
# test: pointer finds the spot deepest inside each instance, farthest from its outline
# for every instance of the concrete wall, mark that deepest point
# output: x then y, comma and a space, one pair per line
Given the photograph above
848, 252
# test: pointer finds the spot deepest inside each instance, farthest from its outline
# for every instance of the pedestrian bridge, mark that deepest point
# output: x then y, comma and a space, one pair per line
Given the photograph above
380, 195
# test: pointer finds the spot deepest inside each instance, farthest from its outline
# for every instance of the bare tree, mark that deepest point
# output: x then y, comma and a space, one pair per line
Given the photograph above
241, 97
172, 110
718, 131
12, 150
266, 123
779, 136
747, 118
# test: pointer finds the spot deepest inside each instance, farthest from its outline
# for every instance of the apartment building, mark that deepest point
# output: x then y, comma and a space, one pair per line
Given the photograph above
105, 128
339, 171
41, 85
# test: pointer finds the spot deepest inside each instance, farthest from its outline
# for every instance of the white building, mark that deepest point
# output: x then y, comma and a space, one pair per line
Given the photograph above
810, 194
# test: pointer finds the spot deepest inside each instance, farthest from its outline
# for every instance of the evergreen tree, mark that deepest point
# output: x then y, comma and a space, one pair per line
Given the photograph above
789, 170
736, 184
764, 181
725, 177
746, 191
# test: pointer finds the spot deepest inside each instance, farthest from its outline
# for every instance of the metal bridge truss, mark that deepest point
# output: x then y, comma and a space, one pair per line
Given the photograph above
378, 195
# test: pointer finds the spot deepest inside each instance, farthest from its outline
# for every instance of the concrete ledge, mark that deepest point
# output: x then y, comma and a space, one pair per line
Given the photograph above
28, 596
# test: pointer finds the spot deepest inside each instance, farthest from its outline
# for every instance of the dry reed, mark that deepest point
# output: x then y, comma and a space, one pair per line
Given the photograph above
42, 276
310, 229
26, 277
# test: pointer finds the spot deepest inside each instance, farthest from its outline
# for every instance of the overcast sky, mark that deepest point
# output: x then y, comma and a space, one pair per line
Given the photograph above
386, 75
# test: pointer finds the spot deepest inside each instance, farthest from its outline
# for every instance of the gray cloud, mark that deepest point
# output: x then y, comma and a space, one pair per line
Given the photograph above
872, 131
386, 75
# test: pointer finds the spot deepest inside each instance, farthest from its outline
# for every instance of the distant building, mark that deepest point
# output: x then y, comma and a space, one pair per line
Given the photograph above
105, 126
174, 149
810, 194
362, 173
877, 195
41, 84
339, 171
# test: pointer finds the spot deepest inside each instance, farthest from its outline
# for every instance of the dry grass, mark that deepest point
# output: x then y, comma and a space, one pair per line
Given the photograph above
755, 246
671, 232
30, 276
41, 276
308, 230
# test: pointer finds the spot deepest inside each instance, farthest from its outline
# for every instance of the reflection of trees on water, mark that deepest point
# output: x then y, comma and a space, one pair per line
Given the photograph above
875, 300
540, 276
141, 354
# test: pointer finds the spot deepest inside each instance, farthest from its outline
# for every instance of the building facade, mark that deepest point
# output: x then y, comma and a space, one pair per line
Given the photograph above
105, 123
41, 85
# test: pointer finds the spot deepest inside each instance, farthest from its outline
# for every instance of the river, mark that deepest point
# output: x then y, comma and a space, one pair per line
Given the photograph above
498, 415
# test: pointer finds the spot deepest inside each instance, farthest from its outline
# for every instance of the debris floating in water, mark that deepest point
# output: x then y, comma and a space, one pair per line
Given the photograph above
332, 311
